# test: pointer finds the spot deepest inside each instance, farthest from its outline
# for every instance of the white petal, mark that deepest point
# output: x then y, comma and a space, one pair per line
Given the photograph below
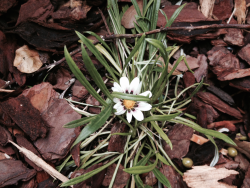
124, 83
120, 112
129, 116
117, 105
138, 89
116, 100
143, 106
120, 108
117, 87
146, 93
138, 115
134, 85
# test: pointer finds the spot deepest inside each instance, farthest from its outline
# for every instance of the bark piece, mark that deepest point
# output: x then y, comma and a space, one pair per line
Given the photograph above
41, 96
27, 60
223, 9
121, 177
189, 80
201, 72
192, 63
218, 42
75, 151
240, 12
246, 182
49, 183
180, 136
22, 113
214, 101
91, 100
205, 176
202, 117
244, 53
22, 141
128, 19
57, 143
207, 7
38, 10
96, 180
222, 124
62, 77
243, 162
230, 74
13, 171
78, 91
216, 54
234, 37
7, 149
221, 94
241, 84
243, 147
5, 5
29, 184
5, 136
117, 142
173, 177
226, 163
149, 179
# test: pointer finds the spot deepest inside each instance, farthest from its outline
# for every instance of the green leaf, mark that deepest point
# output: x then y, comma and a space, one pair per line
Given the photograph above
78, 74
160, 117
95, 124
162, 134
87, 175
94, 73
79, 122
97, 54
99, 39
138, 181
141, 169
130, 97
137, 46
161, 177
162, 159
174, 16
186, 63
122, 134
144, 160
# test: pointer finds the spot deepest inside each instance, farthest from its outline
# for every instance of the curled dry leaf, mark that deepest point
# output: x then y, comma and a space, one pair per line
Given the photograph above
27, 60
207, 7
207, 177
240, 12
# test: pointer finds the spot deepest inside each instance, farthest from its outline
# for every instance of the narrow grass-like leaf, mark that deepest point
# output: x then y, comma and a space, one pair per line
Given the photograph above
162, 134
185, 61
99, 39
79, 122
175, 66
138, 181
78, 74
122, 134
204, 131
174, 16
95, 124
161, 177
137, 46
97, 54
144, 160
94, 73
140, 169
88, 175
162, 159
160, 117
130, 97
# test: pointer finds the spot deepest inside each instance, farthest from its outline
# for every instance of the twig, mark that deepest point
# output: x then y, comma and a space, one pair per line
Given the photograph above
41, 163
109, 37
6, 90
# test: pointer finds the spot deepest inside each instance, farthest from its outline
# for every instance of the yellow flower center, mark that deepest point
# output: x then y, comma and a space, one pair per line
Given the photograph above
128, 104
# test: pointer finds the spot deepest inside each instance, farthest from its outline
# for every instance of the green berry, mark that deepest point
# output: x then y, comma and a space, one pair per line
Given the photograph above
187, 162
232, 152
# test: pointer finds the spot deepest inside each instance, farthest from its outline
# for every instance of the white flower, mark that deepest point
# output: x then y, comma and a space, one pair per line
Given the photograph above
132, 107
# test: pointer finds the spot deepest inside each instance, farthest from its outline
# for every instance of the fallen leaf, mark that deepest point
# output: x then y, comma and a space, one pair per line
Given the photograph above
246, 182
117, 142
27, 60
222, 124
243, 147
180, 136
243, 162
240, 12
128, 18
121, 176
13, 171
22, 113
62, 76
207, 177
78, 91
206, 7
150, 179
